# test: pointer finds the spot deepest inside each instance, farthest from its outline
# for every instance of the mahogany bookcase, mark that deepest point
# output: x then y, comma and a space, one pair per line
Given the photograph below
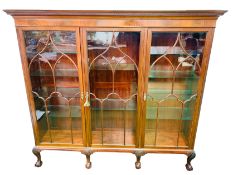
115, 81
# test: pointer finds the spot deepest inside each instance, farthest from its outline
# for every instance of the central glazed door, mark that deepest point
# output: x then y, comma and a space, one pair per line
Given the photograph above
113, 77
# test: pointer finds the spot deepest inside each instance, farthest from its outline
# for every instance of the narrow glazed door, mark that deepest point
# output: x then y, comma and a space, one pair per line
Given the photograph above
174, 69
113, 76
54, 68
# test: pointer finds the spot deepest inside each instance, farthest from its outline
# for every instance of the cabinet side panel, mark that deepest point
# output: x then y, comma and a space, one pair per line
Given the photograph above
204, 68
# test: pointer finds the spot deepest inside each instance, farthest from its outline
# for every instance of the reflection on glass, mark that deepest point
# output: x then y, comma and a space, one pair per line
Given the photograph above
52, 62
113, 75
175, 65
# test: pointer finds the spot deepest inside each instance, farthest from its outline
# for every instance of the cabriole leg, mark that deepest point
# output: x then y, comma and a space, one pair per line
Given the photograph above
191, 156
88, 162
138, 154
36, 152
88, 153
138, 163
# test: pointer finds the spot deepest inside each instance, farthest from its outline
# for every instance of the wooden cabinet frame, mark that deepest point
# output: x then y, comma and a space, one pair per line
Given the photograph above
144, 22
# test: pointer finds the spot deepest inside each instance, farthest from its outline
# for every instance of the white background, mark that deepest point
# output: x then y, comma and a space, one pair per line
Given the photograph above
215, 132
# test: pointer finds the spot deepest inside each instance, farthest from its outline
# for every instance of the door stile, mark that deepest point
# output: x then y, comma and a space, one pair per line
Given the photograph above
86, 91
80, 72
141, 84
145, 83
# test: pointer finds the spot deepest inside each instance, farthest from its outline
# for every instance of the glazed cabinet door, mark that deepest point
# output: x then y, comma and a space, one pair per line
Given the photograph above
51, 60
173, 70
113, 84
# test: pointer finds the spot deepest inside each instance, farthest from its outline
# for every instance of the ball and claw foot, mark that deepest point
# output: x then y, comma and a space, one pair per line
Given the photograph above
137, 165
188, 165
88, 165
36, 152
38, 163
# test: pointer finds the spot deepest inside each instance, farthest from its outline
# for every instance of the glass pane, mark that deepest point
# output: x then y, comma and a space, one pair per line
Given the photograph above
113, 74
175, 65
52, 62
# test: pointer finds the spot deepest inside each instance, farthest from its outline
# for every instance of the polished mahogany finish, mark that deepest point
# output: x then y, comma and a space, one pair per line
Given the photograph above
115, 81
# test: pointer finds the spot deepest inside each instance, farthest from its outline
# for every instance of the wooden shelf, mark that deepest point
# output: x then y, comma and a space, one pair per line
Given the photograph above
158, 92
169, 74
58, 73
103, 47
113, 137
103, 85
164, 139
62, 111
119, 67
160, 50
63, 84
168, 112
63, 136
110, 137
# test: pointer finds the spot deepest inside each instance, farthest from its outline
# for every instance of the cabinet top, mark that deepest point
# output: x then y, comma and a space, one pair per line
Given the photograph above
120, 13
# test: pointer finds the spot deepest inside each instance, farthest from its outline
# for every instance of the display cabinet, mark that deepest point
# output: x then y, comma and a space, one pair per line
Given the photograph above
115, 81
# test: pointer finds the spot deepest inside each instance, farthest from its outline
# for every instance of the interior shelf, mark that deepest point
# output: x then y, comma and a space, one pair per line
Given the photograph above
177, 50
159, 92
160, 50
60, 129
63, 111
57, 73
113, 137
169, 74
62, 84
164, 139
58, 111
63, 136
113, 109
120, 66
103, 85
64, 51
68, 92
165, 113
95, 46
